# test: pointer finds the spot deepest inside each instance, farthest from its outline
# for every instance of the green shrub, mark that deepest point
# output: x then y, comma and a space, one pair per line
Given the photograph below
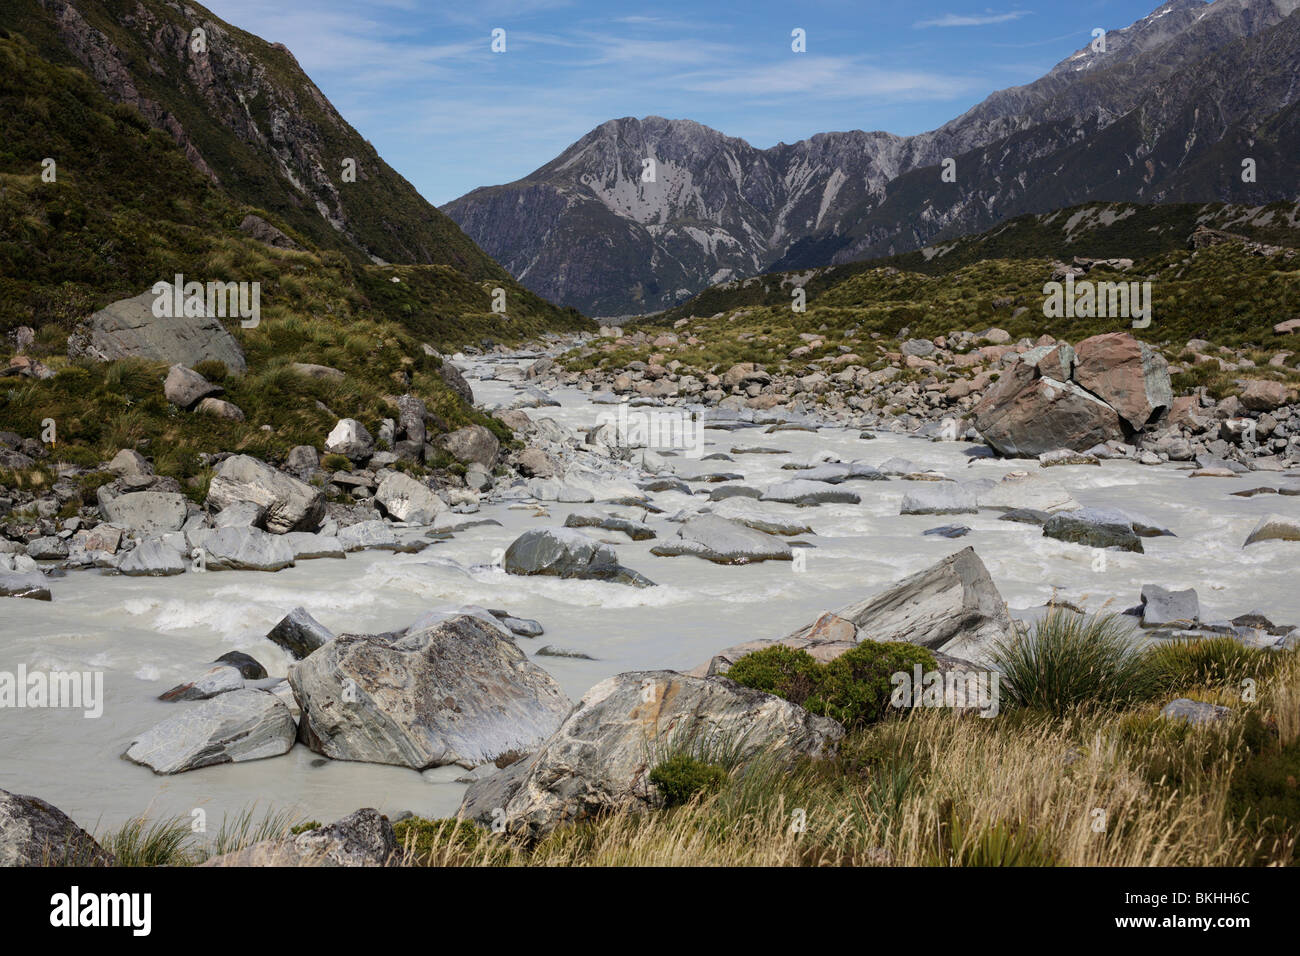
854, 688
421, 838
1208, 662
1265, 793
336, 463
682, 776
1071, 660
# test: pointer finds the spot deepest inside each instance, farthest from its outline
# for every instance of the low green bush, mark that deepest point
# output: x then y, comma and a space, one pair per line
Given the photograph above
682, 776
854, 689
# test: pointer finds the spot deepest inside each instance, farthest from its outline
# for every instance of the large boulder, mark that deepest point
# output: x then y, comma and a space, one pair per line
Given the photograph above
406, 499
473, 443
300, 634
129, 329
244, 549
291, 505
1094, 527
1127, 374
1022, 489
1023, 415
351, 439
232, 728
145, 512
600, 758
938, 498
724, 541
952, 607
151, 557
1274, 528
458, 692
24, 584
186, 387
807, 493
36, 833
451, 374
363, 838
566, 553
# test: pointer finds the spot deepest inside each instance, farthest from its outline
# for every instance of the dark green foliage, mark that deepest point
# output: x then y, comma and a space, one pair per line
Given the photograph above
682, 776
1265, 792
854, 688
423, 838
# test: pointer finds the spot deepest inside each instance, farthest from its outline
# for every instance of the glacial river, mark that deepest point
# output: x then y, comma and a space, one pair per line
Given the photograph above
148, 634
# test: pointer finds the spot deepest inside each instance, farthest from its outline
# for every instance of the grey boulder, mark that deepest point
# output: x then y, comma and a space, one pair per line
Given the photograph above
291, 505
232, 728
364, 838
36, 833
600, 758
299, 633
458, 692
566, 553
724, 541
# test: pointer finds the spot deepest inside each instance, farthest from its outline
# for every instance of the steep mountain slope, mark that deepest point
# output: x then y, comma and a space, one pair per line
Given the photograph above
246, 115
721, 209
155, 172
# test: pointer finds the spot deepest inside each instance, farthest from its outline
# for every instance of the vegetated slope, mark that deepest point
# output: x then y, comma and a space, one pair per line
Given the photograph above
127, 209
1092, 230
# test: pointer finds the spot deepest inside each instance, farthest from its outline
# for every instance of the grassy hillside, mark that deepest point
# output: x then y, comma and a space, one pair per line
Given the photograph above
127, 210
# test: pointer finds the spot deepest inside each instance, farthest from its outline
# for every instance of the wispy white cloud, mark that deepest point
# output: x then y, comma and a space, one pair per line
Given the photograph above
971, 19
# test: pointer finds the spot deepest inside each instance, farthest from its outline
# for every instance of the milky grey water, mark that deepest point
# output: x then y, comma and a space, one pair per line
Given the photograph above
147, 634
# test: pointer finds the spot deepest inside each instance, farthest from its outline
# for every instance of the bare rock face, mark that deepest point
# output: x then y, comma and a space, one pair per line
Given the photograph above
291, 505
364, 838
473, 443
129, 329
952, 607
408, 500
1023, 415
263, 231
601, 756
35, 833
1127, 374
566, 553
458, 692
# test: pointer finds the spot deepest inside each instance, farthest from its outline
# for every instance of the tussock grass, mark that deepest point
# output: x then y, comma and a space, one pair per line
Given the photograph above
1068, 660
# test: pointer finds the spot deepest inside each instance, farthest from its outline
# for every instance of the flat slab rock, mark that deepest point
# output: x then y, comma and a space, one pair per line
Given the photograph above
600, 758
723, 541
458, 692
232, 728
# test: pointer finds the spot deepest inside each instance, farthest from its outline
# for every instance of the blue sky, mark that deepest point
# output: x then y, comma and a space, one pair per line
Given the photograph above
419, 79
